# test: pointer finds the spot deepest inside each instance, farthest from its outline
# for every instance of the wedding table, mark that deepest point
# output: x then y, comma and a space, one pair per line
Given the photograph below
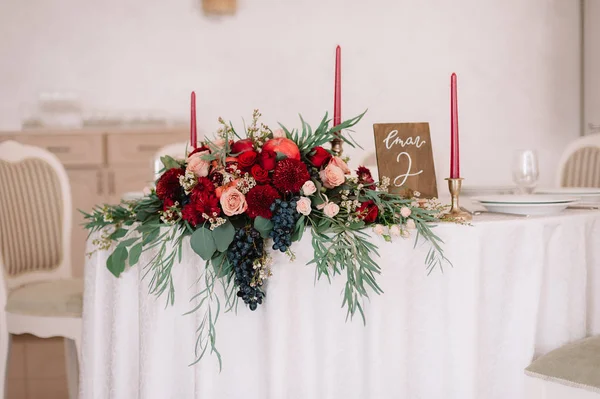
518, 288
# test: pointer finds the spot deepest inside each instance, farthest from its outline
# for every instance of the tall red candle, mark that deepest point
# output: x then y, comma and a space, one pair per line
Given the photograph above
454, 152
337, 100
193, 131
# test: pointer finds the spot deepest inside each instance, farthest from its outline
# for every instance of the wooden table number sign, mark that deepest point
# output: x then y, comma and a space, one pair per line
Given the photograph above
404, 155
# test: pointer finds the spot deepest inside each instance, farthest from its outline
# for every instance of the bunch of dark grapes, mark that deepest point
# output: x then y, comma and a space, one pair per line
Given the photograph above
247, 246
284, 221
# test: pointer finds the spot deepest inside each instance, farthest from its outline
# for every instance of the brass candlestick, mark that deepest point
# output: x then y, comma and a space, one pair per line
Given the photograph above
456, 212
336, 146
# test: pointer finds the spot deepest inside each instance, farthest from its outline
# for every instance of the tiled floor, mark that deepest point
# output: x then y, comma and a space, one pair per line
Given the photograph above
36, 368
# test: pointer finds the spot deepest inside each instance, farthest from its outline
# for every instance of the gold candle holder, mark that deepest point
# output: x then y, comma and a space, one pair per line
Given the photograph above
336, 146
456, 212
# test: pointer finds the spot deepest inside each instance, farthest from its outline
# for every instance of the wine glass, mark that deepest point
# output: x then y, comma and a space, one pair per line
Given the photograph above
525, 171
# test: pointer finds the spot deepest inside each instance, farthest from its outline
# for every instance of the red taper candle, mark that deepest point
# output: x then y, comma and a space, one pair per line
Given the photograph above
193, 131
454, 151
337, 99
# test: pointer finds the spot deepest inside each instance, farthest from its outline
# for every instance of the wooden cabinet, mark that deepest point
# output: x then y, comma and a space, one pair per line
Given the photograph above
102, 165
87, 190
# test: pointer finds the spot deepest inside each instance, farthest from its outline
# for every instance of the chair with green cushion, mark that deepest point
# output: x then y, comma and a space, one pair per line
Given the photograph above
569, 372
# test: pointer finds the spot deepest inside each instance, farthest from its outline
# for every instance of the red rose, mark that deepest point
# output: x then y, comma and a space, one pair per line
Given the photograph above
368, 211
318, 156
365, 177
267, 159
241, 146
259, 174
247, 159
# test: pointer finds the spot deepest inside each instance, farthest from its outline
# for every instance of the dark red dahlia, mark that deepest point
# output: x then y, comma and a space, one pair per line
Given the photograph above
367, 211
206, 203
259, 174
168, 185
204, 185
191, 215
364, 175
167, 203
260, 199
290, 175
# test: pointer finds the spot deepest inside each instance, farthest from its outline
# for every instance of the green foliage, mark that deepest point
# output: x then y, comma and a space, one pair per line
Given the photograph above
264, 226
203, 244
116, 261
223, 236
169, 163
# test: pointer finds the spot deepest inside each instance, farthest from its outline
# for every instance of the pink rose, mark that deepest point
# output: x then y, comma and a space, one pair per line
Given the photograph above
405, 211
309, 188
279, 133
233, 202
332, 176
339, 162
395, 230
411, 224
379, 229
303, 206
197, 165
331, 209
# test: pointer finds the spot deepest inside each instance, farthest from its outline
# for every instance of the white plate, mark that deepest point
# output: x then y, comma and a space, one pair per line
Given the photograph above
534, 205
528, 209
586, 194
471, 191
525, 199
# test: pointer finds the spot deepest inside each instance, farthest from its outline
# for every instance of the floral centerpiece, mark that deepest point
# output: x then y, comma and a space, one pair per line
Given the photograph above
239, 198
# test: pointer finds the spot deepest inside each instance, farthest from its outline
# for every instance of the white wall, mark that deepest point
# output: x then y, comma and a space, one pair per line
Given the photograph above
517, 62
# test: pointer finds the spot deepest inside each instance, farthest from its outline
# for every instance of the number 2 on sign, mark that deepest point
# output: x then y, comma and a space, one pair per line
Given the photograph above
408, 173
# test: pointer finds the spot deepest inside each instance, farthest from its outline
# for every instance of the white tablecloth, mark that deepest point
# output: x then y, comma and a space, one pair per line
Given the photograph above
519, 287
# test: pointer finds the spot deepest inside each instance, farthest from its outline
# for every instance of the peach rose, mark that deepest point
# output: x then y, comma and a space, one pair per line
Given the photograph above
309, 188
233, 202
197, 165
279, 133
332, 176
339, 162
379, 229
303, 206
405, 211
331, 209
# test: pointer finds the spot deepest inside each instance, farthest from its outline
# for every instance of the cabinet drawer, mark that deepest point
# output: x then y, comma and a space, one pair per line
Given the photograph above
76, 149
139, 149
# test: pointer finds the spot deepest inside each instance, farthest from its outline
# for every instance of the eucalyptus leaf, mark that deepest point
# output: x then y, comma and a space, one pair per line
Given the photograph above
263, 225
150, 236
223, 236
127, 242
134, 254
202, 243
221, 264
119, 233
116, 261
298, 229
169, 162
